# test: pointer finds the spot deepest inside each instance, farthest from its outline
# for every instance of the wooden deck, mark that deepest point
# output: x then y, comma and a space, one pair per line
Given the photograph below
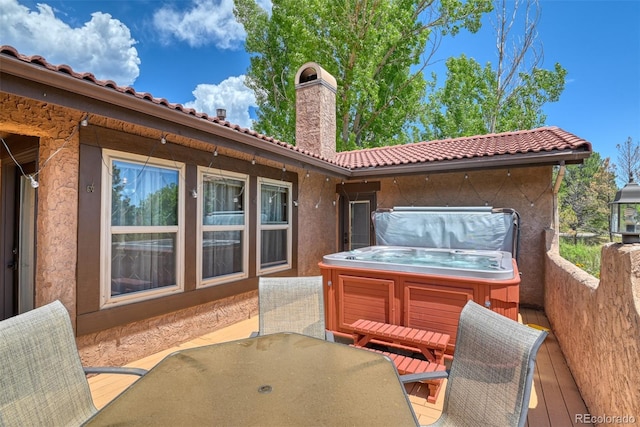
554, 401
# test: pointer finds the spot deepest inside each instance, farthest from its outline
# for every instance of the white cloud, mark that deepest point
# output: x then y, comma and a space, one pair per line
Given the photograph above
102, 46
205, 22
231, 94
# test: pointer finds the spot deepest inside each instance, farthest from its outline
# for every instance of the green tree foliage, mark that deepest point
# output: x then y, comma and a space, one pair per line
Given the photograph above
122, 212
375, 50
157, 208
505, 96
160, 207
585, 194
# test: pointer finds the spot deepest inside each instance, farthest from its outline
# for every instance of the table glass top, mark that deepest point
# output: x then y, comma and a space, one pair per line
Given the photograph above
280, 379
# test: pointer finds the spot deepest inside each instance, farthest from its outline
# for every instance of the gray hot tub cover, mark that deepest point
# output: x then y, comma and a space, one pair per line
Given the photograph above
448, 228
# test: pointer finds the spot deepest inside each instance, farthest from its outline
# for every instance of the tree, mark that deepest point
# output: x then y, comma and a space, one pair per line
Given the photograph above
603, 187
628, 160
123, 212
505, 97
377, 50
585, 194
160, 207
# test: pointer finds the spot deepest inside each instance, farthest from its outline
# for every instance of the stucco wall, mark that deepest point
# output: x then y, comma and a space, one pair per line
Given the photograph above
597, 324
57, 232
119, 346
317, 221
56, 227
527, 190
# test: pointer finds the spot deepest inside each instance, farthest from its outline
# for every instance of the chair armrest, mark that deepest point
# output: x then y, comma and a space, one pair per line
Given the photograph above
412, 378
114, 370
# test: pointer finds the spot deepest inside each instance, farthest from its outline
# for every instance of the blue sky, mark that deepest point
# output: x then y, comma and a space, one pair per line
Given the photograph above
191, 52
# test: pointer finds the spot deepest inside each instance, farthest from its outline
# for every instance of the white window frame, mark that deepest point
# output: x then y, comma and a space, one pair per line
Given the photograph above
202, 228
261, 227
107, 230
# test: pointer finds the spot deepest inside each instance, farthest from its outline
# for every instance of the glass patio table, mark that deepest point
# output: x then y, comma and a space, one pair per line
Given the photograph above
281, 379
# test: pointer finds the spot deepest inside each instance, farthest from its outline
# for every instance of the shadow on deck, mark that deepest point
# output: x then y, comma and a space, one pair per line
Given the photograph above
555, 398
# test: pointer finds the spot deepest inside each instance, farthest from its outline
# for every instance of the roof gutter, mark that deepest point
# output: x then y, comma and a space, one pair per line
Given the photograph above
469, 164
57, 80
559, 178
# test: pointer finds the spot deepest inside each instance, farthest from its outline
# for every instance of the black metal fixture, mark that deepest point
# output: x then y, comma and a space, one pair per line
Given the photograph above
625, 212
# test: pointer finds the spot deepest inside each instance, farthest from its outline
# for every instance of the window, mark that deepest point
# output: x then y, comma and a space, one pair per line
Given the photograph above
223, 235
142, 244
274, 226
359, 224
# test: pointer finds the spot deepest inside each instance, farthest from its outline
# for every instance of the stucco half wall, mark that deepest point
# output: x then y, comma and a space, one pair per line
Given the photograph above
597, 323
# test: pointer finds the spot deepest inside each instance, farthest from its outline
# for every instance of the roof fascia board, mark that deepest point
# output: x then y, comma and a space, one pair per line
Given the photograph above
66, 90
492, 162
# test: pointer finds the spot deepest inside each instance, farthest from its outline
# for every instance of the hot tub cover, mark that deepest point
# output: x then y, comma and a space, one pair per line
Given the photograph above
469, 228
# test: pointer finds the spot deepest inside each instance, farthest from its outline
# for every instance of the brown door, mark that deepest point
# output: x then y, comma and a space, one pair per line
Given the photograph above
357, 229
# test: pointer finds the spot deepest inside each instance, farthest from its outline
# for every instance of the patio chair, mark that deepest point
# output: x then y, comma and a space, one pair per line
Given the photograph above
42, 380
292, 304
491, 374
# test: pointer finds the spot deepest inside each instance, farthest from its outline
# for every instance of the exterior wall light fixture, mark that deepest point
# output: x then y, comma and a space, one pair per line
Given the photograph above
625, 212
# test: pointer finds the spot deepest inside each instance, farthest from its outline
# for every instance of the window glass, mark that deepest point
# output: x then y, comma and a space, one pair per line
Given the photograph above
142, 246
223, 201
143, 195
223, 237
274, 248
142, 261
274, 226
222, 253
274, 206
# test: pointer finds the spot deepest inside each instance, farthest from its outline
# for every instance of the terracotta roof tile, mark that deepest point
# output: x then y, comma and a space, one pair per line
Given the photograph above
510, 143
545, 139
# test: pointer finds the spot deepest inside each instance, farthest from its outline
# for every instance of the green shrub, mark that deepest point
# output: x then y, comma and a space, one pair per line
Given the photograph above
583, 255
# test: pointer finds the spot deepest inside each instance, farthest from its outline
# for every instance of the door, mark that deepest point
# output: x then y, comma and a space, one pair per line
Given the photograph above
18, 231
357, 229
24, 255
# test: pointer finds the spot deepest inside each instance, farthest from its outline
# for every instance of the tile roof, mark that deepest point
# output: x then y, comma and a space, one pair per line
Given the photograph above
546, 139
110, 84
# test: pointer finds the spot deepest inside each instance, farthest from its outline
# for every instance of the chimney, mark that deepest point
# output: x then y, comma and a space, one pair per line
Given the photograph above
316, 110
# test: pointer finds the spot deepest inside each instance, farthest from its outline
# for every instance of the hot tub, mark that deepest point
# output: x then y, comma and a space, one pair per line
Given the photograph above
424, 287
481, 264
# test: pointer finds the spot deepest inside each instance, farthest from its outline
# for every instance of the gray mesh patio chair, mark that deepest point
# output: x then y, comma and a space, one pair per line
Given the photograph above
292, 304
42, 380
492, 370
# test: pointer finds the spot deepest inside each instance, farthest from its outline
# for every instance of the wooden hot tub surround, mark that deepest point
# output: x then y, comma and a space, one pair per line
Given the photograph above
415, 300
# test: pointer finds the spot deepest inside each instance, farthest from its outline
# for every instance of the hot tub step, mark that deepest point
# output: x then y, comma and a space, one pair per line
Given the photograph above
431, 344
410, 365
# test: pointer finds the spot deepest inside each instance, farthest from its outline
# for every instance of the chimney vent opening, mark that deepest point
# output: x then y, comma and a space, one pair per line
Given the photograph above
308, 75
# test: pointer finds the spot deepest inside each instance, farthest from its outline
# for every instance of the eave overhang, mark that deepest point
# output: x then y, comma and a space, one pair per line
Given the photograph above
501, 161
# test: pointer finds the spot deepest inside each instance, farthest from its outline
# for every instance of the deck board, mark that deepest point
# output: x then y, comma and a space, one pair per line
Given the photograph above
554, 401
553, 381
